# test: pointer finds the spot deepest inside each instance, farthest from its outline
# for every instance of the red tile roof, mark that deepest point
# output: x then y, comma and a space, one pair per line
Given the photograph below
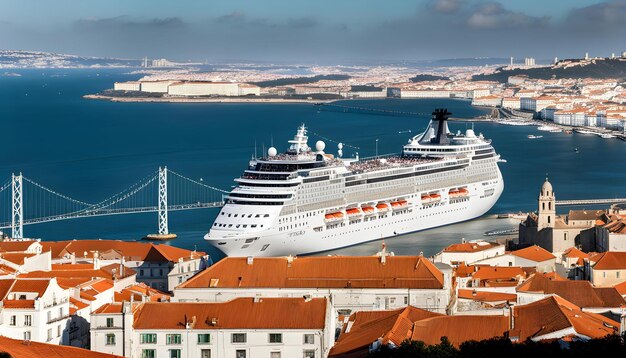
240, 313
18, 348
321, 272
553, 314
612, 260
109, 271
534, 253
130, 250
487, 296
138, 292
459, 329
499, 273
580, 293
15, 257
471, 247
16, 246
18, 303
365, 327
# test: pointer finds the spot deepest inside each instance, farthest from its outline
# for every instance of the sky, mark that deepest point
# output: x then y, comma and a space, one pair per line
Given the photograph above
314, 31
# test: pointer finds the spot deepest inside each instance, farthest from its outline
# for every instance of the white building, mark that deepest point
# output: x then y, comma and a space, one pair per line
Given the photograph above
511, 103
488, 101
416, 93
529, 61
352, 283
241, 328
34, 309
536, 104
213, 89
127, 86
469, 252
533, 256
156, 86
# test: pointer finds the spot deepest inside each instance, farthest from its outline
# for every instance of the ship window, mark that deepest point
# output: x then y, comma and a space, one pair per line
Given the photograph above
266, 215
253, 225
249, 215
257, 216
229, 215
230, 225
245, 226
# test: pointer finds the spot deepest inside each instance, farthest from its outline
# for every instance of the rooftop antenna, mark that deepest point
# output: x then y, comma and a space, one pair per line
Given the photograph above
255, 154
272, 140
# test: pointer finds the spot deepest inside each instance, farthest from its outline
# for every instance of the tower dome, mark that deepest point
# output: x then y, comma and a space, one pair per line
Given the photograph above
546, 188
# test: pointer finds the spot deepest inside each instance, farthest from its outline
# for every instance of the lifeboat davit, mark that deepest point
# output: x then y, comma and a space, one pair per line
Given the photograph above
382, 207
367, 210
353, 211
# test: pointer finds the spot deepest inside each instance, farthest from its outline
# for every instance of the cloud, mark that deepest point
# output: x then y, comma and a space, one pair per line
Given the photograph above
446, 6
124, 21
493, 15
240, 19
601, 15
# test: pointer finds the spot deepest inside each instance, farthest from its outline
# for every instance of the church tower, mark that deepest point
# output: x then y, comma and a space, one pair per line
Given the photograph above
547, 209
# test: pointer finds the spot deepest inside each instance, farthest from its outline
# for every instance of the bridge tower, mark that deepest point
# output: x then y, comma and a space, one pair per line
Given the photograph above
163, 226
17, 211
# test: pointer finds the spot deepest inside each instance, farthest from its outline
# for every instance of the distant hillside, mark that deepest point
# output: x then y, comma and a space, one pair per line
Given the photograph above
424, 77
18, 59
599, 69
300, 80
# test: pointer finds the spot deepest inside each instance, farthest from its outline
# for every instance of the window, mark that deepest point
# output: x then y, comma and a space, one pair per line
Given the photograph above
27, 336
49, 333
238, 338
12, 321
274, 354
148, 338
204, 338
276, 338
174, 353
172, 339
109, 322
309, 339
141, 272
49, 316
240, 353
148, 353
59, 331
110, 339
308, 353
617, 274
28, 321
205, 353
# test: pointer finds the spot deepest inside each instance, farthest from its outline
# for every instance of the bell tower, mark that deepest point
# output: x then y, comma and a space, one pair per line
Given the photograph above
547, 210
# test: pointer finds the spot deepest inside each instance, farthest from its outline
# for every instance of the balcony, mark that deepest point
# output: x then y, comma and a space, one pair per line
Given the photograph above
57, 319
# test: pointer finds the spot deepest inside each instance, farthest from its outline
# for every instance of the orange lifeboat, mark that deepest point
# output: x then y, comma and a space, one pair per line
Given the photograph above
463, 192
426, 198
399, 204
367, 210
382, 207
453, 193
353, 211
435, 197
333, 217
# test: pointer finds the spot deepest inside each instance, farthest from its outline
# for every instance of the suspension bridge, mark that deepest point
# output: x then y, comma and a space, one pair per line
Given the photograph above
24, 201
589, 202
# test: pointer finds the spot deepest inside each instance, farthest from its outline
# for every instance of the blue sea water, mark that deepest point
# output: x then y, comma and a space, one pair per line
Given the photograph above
90, 149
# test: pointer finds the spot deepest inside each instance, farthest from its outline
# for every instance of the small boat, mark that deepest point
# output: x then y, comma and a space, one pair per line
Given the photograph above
400, 204
368, 210
531, 136
576, 150
426, 198
463, 192
606, 136
382, 207
435, 197
353, 212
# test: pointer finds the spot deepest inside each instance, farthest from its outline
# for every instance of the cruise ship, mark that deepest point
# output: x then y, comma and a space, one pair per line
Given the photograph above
305, 200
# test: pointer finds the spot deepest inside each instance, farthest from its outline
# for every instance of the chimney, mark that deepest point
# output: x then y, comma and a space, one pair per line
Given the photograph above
289, 260
383, 254
462, 240
73, 258
250, 260
96, 261
122, 266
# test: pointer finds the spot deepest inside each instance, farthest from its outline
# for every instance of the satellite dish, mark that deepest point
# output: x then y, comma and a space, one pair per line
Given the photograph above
272, 152
319, 146
340, 146
340, 153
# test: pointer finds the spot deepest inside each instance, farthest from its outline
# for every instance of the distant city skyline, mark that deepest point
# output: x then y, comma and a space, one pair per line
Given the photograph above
321, 31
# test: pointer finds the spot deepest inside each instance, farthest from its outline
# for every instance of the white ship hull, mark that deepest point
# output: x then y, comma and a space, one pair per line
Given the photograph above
304, 240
